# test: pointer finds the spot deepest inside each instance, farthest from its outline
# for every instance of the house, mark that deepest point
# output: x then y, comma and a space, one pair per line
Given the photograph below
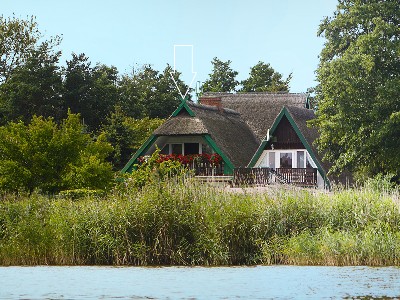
288, 149
201, 129
249, 130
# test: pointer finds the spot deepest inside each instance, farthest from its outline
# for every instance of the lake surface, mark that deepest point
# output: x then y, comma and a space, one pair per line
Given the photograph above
269, 282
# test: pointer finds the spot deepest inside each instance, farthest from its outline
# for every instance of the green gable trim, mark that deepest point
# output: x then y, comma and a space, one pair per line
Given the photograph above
181, 106
258, 154
149, 142
260, 149
308, 147
285, 112
228, 169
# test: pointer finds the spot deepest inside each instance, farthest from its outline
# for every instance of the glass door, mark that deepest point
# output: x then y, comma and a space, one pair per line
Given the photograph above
286, 160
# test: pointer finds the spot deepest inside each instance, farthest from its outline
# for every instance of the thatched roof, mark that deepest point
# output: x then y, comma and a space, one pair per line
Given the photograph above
259, 110
183, 124
231, 134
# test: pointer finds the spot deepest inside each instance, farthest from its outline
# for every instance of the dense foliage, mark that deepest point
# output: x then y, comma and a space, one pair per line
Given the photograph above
263, 78
49, 158
21, 40
127, 134
358, 96
222, 78
123, 108
179, 222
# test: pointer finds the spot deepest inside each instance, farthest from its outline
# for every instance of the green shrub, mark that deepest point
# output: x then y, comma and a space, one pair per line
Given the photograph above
80, 193
153, 170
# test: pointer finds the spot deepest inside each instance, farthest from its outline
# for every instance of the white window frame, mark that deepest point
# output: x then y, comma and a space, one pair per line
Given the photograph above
264, 160
183, 147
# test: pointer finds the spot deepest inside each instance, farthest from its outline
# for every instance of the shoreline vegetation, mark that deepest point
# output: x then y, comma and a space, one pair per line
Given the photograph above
182, 222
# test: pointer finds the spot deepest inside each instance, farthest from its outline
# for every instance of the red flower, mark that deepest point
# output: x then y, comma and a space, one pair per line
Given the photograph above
214, 159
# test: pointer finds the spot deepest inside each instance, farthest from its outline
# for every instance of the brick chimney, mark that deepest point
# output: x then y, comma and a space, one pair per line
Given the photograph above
211, 101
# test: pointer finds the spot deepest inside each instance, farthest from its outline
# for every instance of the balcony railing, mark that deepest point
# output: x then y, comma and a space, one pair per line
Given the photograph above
207, 169
251, 176
297, 176
265, 176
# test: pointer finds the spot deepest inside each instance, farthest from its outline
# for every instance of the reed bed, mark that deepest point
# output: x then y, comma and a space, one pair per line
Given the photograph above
185, 223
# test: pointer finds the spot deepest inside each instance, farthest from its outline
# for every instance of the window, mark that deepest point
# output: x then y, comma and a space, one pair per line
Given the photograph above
271, 157
300, 159
310, 163
182, 148
165, 149
286, 160
191, 148
176, 149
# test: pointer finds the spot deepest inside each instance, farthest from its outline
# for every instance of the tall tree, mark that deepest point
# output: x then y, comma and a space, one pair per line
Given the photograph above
18, 40
29, 75
92, 92
359, 87
34, 88
126, 135
263, 78
222, 78
149, 93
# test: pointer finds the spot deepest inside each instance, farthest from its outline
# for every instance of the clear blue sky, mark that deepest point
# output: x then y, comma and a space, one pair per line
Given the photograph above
128, 34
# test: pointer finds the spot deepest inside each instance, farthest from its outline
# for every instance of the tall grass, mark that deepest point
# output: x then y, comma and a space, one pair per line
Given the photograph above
185, 223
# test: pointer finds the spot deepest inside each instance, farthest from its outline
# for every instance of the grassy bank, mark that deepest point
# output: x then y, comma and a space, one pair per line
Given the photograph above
189, 224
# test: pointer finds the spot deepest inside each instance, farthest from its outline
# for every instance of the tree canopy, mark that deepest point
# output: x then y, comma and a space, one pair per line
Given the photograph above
222, 78
358, 96
90, 91
263, 78
33, 88
127, 134
49, 157
19, 40
150, 93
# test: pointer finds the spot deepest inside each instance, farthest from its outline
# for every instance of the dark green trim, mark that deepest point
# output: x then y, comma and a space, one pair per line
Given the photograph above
181, 106
149, 142
258, 153
308, 148
285, 112
228, 167
260, 149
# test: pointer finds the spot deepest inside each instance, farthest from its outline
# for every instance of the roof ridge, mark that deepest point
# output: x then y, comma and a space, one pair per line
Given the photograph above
209, 94
214, 108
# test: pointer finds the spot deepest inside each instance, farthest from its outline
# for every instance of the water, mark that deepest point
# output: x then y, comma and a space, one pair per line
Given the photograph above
273, 282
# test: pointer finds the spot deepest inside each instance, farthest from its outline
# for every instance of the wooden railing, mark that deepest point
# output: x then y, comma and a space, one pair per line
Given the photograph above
251, 176
265, 176
207, 169
297, 176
